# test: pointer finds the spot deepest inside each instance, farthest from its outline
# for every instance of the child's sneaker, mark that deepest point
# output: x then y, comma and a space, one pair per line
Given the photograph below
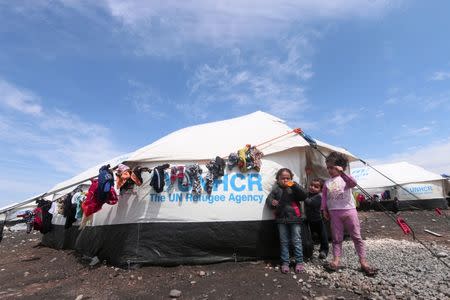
322, 255
284, 268
299, 268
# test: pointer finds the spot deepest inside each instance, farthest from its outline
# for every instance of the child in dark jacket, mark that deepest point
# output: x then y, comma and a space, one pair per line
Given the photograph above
314, 216
284, 199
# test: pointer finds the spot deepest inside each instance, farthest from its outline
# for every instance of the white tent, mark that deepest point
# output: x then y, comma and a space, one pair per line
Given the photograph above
175, 226
409, 182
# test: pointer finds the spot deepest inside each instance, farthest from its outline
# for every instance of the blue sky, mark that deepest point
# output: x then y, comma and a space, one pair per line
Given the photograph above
82, 82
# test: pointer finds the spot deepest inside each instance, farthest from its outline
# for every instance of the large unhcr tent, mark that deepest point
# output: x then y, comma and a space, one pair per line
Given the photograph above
414, 186
176, 227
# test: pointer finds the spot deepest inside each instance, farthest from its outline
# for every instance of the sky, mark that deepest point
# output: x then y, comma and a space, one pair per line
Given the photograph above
84, 81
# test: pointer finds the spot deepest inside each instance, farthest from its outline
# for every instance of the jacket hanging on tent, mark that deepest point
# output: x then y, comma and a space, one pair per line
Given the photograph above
105, 182
215, 170
193, 173
158, 178
92, 204
70, 210
42, 218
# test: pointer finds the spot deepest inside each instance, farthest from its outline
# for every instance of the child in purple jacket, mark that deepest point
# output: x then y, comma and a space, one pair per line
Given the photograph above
338, 205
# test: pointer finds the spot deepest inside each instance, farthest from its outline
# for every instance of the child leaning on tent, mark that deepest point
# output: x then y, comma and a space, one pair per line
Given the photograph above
338, 206
314, 215
285, 199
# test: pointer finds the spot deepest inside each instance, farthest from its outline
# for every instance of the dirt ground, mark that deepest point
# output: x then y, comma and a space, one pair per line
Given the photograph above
28, 270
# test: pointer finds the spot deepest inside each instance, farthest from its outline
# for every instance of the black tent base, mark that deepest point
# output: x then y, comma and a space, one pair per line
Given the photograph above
170, 243
406, 205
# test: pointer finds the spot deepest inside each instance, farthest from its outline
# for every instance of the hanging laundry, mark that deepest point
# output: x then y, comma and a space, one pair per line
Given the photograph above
123, 173
69, 211
386, 195
158, 178
249, 158
79, 202
242, 153
255, 157
42, 218
28, 217
60, 206
136, 174
193, 174
54, 208
105, 182
178, 174
215, 170
233, 160
92, 204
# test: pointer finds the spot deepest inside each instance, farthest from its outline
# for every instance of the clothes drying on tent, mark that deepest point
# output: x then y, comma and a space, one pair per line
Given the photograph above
92, 204
136, 174
105, 182
60, 206
126, 178
193, 173
158, 178
42, 218
215, 171
243, 155
233, 160
70, 210
78, 199
249, 158
255, 159
28, 217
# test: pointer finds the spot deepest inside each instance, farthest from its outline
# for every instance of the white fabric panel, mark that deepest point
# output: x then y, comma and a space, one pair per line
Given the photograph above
401, 173
424, 190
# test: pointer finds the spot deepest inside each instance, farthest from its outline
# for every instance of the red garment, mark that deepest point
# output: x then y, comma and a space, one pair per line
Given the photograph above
92, 205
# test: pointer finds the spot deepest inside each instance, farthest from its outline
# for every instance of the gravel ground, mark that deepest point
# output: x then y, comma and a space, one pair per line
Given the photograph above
406, 271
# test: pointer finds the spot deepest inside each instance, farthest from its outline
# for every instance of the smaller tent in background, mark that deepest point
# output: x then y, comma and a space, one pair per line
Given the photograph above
412, 185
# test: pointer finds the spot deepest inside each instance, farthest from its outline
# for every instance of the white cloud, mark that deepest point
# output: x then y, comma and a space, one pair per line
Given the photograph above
54, 137
169, 28
433, 157
275, 83
341, 117
379, 114
423, 103
145, 99
439, 76
19, 99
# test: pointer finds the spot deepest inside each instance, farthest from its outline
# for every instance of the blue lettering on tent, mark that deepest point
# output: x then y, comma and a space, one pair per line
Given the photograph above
157, 198
236, 182
224, 181
427, 189
254, 179
233, 182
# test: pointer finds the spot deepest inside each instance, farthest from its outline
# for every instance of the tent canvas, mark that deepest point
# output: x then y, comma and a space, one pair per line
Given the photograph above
414, 182
176, 227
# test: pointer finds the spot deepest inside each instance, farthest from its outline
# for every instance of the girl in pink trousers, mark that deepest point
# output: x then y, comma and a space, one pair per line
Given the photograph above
338, 206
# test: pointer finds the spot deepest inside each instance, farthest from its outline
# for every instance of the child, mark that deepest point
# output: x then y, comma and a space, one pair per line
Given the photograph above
338, 206
313, 214
284, 198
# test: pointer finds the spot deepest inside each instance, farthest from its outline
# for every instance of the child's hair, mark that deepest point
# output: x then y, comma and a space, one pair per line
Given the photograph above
319, 180
337, 159
283, 170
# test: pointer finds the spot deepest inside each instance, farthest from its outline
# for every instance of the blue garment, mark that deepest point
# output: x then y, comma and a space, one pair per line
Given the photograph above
290, 232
